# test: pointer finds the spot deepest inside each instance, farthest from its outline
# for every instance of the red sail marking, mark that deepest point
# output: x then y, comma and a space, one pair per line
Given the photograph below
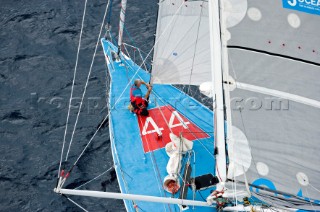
157, 123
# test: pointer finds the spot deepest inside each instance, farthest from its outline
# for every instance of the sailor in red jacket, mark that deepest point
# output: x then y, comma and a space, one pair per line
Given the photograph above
138, 103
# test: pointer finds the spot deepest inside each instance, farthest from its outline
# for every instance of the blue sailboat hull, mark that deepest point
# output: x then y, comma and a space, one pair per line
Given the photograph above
139, 157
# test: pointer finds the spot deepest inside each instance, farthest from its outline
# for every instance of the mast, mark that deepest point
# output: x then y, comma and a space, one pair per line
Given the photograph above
218, 105
227, 80
121, 23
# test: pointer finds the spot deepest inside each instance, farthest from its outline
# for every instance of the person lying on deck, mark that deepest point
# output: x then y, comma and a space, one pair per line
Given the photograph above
138, 104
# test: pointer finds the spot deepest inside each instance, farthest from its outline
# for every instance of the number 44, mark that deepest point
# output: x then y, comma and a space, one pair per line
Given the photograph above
174, 115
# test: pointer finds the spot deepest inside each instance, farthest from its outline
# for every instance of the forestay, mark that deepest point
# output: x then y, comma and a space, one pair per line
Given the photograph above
273, 59
182, 53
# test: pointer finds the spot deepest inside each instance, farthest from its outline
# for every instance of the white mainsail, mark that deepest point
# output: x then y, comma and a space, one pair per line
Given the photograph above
182, 51
275, 92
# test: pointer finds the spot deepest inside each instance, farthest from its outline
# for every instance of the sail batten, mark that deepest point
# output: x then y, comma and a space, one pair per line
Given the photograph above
280, 94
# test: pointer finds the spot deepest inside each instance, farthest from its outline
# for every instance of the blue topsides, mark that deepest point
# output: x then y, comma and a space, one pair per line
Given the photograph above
138, 153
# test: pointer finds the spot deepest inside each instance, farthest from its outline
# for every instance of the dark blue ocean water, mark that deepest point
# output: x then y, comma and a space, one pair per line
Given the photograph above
38, 44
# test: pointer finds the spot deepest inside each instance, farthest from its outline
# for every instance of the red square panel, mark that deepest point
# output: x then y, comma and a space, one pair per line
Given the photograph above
161, 121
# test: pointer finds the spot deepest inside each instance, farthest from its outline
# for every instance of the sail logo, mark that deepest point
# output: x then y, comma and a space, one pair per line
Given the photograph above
306, 2
308, 6
156, 128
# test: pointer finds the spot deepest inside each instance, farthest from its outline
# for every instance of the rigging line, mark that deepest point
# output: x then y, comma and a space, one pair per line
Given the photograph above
109, 13
242, 120
203, 106
183, 163
233, 69
234, 185
187, 126
112, 39
133, 42
131, 39
314, 188
85, 88
131, 178
167, 27
182, 38
181, 93
157, 120
273, 54
178, 43
169, 32
75, 203
122, 172
153, 162
127, 71
277, 202
201, 196
122, 92
195, 46
186, 47
94, 178
126, 183
157, 105
72, 87
181, 157
203, 53
245, 133
124, 180
139, 51
125, 48
140, 208
200, 118
194, 192
158, 96
157, 40
202, 99
293, 202
145, 65
269, 201
108, 62
134, 47
198, 132
274, 191
155, 169
164, 118
310, 200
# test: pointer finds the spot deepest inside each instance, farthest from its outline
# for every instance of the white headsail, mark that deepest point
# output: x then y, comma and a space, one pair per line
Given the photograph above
182, 53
